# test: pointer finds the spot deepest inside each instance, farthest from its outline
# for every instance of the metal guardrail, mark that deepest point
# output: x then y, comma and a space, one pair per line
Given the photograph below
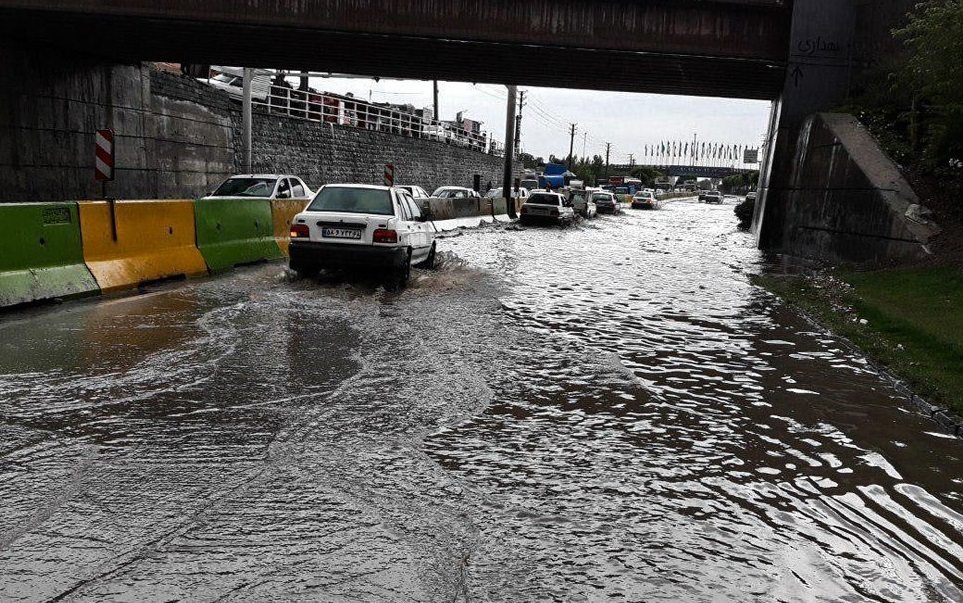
340, 111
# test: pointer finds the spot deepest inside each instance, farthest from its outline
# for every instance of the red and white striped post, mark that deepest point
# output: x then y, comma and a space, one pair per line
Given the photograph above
104, 169
104, 155
389, 174
104, 158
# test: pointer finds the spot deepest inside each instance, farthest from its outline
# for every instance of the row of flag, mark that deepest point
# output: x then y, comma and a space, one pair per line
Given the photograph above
695, 150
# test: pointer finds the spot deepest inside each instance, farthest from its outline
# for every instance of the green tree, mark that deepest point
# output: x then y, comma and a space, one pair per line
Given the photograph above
529, 161
932, 76
648, 175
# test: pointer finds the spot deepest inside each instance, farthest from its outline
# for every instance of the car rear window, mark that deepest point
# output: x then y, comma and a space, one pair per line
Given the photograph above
601, 197
543, 199
353, 201
246, 187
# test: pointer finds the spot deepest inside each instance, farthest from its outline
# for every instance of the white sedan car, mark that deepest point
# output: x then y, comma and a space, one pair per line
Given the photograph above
547, 207
267, 186
360, 226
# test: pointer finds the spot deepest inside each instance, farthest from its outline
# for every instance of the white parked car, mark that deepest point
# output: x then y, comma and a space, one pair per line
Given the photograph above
455, 192
361, 226
267, 186
547, 207
416, 192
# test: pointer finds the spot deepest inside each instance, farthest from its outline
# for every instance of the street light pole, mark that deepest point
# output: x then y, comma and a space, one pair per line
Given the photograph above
507, 191
246, 119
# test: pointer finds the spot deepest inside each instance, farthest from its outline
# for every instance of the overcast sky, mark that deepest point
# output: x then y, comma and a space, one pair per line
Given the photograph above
628, 120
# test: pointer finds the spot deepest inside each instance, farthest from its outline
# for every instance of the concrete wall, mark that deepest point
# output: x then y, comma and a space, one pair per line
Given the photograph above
178, 138
51, 104
834, 44
817, 79
848, 202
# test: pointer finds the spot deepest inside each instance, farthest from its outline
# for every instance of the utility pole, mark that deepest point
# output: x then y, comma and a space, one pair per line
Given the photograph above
695, 141
631, 159
571, 146
608, 147
507, 189
518, 123
584, 138
437, 116
246, 137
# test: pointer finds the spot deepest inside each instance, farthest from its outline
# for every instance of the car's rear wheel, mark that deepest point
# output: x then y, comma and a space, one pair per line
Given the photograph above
399, 276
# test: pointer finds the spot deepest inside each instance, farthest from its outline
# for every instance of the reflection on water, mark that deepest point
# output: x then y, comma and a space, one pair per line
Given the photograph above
606, 412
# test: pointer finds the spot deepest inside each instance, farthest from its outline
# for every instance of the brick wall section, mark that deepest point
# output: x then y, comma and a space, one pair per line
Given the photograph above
179, 138
322, 154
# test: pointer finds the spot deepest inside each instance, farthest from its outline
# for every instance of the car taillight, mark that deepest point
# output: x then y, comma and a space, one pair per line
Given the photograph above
300, 231
385, 235
555, 213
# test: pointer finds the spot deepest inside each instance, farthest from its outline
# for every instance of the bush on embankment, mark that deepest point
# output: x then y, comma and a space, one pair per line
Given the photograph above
909, 321
744, 213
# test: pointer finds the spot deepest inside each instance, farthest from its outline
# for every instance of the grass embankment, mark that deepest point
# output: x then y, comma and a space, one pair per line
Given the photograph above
910, 321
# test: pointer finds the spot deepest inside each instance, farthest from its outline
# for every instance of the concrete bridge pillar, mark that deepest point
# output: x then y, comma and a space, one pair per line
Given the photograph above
817, 78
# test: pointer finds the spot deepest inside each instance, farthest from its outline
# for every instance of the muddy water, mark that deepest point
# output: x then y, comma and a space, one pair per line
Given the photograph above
608, 412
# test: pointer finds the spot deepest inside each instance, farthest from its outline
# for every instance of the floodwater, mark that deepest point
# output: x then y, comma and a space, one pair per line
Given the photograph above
609, 412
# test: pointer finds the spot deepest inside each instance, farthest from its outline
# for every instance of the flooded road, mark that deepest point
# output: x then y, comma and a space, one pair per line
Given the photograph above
609, 412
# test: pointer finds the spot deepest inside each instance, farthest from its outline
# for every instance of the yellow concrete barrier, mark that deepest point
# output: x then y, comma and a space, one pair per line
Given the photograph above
283, 212
139, 241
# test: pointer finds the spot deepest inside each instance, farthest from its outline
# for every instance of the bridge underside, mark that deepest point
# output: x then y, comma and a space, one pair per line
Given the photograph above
735, 48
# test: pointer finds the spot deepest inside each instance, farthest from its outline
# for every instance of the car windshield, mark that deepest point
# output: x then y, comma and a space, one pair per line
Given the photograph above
543, 199
353, 200
621, 190
246, 187
601, 197
224, 77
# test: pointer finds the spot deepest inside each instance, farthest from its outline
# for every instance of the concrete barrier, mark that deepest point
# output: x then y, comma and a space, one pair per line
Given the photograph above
40, 253
449, 209
282, 213
139, 241
231, 232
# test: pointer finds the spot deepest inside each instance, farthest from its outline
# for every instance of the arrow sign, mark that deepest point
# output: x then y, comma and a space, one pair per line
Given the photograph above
796, 75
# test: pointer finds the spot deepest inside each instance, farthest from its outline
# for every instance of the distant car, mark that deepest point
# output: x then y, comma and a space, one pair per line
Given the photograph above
713, 197
644, 200
529, 183
267, 186
605, 202
455, 192
416, 192
547, 207
231, 80
496, 193
351, 226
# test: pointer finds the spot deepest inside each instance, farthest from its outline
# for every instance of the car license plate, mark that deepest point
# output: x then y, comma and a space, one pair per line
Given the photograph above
341, 233
538, 210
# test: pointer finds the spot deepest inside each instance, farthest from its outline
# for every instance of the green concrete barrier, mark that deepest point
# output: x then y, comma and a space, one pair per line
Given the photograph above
231, 232
41, 254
